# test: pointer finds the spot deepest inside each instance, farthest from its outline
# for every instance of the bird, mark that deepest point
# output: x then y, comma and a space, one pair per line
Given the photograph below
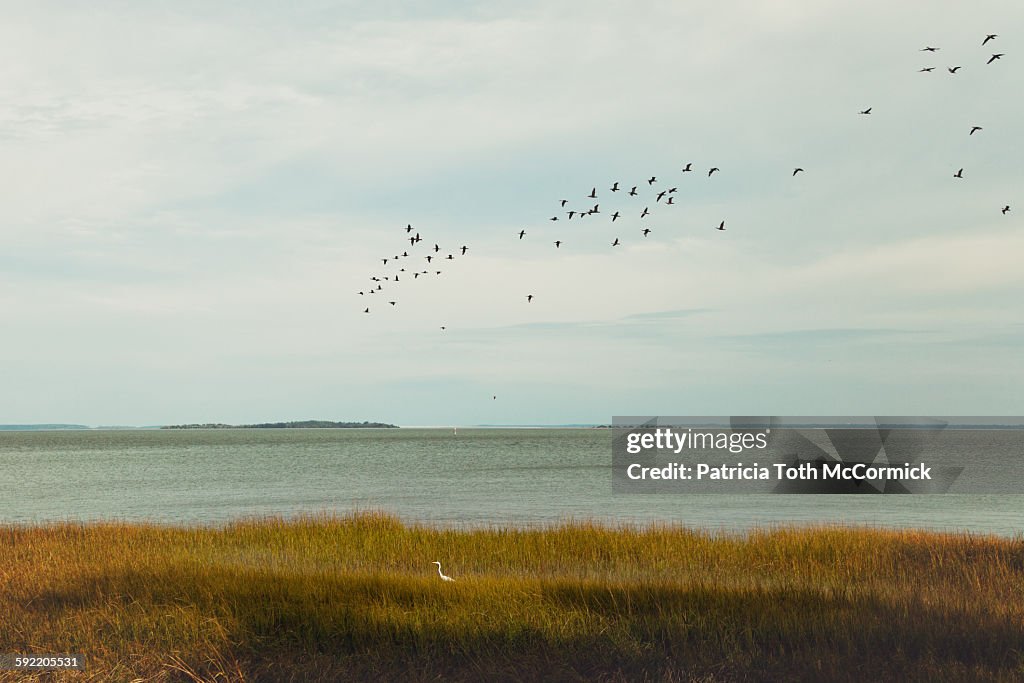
408, 228
645, 212
670, 200
616, 242
392, 302
366, 310
954, 69
412, 240
529, 298
571, 214
646, 231
1006, 209
385, 261
660, 195
450, 257
494, 398
687, 169
614, 216
721, 226
443, 327
441, 574
632, 193
672, 189
928, 49
429, 257
866, 111
797, 170
593, 193
994, 58
615, 187
564, 201
558, 243
713, 169
652, 180
990, 36
975, 129
959, 174
464, 248
927, 68
554, 218
521, 233
436, 248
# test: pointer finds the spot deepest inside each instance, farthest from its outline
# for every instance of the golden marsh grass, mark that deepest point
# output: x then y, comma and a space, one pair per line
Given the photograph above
340, 598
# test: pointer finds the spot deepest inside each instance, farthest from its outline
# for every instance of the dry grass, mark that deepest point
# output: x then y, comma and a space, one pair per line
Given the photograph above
327, 598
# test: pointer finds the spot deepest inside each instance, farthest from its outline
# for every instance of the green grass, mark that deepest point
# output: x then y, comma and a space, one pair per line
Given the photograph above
328, 598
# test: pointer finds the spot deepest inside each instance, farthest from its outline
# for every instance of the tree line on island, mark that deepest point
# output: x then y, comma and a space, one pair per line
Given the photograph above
303, 424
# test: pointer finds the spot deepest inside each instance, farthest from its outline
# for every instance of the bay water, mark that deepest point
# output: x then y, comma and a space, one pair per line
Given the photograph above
475, 477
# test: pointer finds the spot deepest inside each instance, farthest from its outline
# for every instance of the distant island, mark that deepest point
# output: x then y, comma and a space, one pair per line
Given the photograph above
303, 424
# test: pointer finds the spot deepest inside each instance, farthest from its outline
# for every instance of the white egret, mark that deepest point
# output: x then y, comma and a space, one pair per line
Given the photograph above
441, 574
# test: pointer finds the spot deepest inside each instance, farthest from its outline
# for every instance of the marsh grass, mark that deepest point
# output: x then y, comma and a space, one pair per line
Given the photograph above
341, 598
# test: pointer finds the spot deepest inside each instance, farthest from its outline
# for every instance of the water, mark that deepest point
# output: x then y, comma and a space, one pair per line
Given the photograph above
517, 477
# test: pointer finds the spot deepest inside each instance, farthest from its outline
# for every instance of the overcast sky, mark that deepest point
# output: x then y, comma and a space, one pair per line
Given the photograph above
194, 194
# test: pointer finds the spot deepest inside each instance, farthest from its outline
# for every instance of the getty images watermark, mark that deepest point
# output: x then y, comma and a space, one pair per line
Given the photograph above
817, 455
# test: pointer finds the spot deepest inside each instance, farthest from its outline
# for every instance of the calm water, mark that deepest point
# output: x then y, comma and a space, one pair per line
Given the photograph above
482, 476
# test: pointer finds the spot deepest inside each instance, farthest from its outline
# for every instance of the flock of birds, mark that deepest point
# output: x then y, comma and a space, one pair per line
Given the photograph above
647, 194
953, 70
414, 273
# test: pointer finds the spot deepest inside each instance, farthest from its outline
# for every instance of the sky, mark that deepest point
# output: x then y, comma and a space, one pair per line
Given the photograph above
195, 194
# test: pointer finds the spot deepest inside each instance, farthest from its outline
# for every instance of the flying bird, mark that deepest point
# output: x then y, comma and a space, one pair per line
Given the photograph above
558, 243
464, 247
927, 68
616, 242
408, 228
994, 58
564, 201
660, 195
672, 189
928, 49
529, 298
443, 327
644, 213
652, 180
521, 233
721, 226
554, 218
436, 248
571, 214
959, 174
646, 231
670, 200
614, 216
991, 36
428, 257
632, 193
713, 169
615, 187
441, 574
366, 310
954, 69
975, 129
392, 302
866, 111
797, 170
1006, 209
688, 169
593, 193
